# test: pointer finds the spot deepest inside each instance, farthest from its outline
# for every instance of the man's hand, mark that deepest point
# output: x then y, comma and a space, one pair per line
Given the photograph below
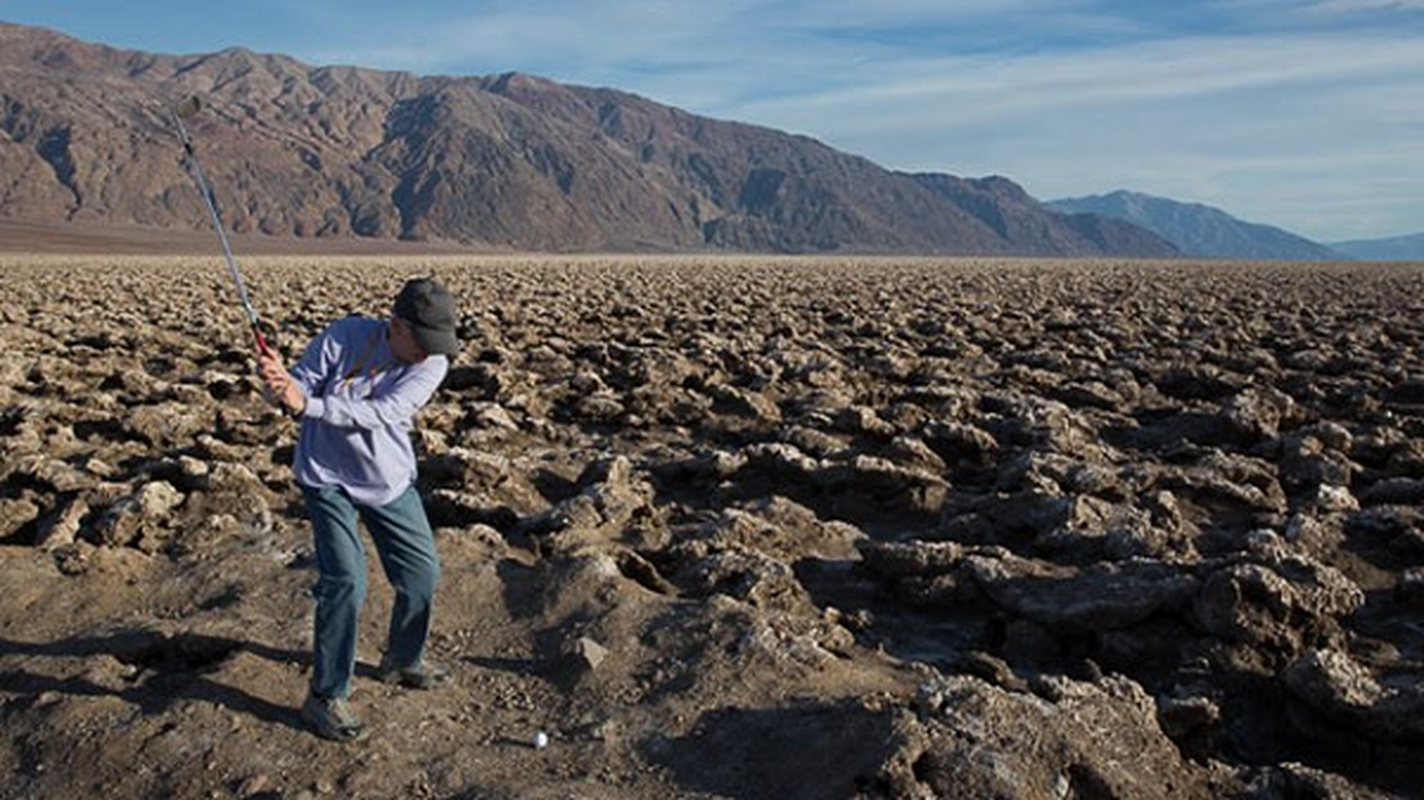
283, 390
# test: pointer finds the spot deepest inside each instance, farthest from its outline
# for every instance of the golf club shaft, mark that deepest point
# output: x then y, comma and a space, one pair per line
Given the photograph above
196, 168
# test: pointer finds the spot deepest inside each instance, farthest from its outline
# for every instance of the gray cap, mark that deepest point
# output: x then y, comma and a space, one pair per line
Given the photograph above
428, 308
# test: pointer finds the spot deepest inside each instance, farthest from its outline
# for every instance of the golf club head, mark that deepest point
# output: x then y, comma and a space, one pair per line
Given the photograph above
187, 107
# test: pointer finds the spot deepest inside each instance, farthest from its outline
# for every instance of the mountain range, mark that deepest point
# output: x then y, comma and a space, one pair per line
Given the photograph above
505, 162
332, 155
1200, 230
1396, 248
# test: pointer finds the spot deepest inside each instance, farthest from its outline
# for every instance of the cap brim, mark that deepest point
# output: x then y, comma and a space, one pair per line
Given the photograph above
436, 342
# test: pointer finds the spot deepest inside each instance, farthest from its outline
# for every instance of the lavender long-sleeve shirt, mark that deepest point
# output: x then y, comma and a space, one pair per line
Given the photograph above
361, 404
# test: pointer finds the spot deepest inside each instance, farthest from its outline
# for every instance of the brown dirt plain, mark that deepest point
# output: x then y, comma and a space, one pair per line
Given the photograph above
738, 528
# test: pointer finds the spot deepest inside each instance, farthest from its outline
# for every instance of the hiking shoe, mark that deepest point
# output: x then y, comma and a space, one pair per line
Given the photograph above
331, 718
420, 675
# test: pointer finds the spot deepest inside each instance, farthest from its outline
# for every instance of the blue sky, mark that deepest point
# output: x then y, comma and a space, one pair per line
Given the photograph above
1305, 114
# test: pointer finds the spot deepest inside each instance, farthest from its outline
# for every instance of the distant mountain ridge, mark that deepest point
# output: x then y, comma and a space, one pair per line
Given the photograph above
1200, 230
1394, 248
509, 162
1009, 210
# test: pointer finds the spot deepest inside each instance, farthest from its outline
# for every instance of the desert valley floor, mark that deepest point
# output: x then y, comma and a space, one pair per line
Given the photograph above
738, 528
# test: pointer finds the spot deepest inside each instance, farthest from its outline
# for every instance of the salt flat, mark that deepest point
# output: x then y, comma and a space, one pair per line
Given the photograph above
839, 527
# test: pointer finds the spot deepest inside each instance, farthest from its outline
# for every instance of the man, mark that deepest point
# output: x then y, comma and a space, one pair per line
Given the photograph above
356, 390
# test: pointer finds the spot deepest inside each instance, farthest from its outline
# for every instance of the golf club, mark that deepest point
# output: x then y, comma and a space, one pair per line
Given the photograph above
179, 112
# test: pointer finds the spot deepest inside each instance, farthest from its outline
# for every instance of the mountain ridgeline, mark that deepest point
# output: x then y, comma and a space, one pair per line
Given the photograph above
1200, 230
506, 162
1394, 248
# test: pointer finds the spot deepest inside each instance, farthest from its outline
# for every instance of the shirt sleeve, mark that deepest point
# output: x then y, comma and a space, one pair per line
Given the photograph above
317, 362
393, 405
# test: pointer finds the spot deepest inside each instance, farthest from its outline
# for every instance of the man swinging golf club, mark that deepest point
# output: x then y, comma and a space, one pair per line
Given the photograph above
356, 390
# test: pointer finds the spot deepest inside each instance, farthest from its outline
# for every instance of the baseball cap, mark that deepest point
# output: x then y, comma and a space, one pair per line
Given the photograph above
426, 305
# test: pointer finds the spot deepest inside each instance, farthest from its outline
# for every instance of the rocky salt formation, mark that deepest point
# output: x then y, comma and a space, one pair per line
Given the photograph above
741, 529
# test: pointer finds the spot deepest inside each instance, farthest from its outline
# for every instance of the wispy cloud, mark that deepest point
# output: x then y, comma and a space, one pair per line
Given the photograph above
1247, 124
1357, 6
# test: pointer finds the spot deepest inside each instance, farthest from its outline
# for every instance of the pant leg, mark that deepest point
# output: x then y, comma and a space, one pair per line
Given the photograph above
406, 545
340, 589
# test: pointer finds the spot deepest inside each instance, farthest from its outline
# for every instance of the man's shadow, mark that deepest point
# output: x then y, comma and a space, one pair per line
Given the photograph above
168, 668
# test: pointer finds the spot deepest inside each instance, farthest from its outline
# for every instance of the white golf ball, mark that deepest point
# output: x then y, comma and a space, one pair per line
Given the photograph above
541, 740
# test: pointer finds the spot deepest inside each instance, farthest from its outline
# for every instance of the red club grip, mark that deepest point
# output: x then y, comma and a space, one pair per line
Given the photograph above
262, 346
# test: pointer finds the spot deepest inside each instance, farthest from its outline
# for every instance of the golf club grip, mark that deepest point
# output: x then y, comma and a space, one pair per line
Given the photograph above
262, 345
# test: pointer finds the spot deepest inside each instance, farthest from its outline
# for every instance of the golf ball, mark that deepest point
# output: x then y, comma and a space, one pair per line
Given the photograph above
541, 740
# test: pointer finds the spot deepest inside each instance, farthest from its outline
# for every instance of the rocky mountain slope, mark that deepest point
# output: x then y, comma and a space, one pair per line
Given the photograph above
512, 161
1200, 230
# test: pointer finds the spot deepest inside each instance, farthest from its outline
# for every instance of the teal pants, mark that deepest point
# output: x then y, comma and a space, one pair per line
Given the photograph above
406, 546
